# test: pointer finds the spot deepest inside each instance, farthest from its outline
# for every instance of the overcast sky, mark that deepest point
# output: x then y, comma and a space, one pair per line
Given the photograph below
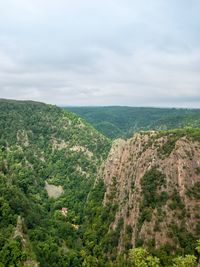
101, 52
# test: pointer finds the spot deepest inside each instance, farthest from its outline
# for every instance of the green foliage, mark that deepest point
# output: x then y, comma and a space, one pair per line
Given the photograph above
187, 261
198, 246
176, 201
12, 255
128, 237
97, 238
183, 238
169, 146
41, 143
141, 258
174, 135
124, 121
151, 183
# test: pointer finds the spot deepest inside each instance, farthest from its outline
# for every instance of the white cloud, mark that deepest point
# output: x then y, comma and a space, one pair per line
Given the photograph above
101, 52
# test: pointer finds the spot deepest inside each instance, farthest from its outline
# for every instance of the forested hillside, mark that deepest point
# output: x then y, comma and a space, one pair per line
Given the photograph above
124, 121
71, 197
42, 146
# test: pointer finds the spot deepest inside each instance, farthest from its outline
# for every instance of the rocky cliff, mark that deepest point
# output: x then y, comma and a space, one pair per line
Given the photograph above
154, 180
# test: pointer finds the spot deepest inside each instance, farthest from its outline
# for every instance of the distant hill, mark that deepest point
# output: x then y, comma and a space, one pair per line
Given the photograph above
119, 121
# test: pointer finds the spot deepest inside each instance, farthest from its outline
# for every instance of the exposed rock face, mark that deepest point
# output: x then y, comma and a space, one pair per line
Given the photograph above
53, 190
166, 205
19, 230
26, 246
22, 137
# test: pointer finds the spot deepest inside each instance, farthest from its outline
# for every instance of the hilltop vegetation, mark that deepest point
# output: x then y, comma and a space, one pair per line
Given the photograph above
124, 121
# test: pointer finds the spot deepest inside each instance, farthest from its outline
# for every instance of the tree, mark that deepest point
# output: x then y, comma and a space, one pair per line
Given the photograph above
141, 258
187, 261
198, 246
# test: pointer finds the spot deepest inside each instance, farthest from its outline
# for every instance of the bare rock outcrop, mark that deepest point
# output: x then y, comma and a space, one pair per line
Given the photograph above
154, 215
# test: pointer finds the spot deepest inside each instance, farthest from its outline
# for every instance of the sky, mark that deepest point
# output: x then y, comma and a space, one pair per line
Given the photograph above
108, 52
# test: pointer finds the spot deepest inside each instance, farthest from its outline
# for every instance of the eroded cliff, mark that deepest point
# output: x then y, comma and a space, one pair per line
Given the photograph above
154, 180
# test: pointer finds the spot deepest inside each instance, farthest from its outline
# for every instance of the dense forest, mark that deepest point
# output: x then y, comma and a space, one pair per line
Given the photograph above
52, 208
41, 143
124, 121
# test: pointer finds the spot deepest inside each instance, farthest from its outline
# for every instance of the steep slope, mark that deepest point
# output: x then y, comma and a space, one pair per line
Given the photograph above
48, 163
153, 180
124, 121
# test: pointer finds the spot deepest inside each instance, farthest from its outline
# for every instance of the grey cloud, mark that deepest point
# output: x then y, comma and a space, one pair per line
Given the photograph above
101, 52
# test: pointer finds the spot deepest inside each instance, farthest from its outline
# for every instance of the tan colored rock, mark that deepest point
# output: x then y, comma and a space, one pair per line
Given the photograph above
53, 190
124, 168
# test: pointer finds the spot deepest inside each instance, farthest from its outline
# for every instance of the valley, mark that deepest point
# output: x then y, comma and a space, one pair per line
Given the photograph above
119, 121
71, 195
